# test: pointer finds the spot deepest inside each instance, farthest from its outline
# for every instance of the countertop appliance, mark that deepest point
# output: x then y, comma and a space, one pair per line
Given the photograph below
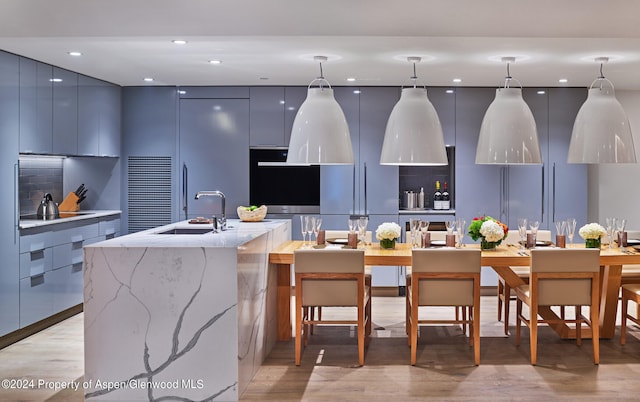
47, 208
283, 189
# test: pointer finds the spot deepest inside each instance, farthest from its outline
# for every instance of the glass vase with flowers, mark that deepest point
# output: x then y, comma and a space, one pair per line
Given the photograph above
489, 231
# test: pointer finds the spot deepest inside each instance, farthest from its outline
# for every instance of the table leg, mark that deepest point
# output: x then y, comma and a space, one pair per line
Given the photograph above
284, 302
610, 277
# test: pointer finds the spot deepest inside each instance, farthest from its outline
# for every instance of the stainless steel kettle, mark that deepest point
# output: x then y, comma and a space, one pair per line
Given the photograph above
47, 208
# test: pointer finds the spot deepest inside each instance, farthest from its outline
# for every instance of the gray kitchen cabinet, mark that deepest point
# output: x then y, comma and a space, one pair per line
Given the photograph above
266, 117
99, 117
444, 101
293, 99
65, 112
9, 246
338, 183
36, 298
214, 145
567, 182
36, 107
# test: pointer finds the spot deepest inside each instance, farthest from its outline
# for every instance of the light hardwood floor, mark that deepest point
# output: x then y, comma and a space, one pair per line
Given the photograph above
329, 371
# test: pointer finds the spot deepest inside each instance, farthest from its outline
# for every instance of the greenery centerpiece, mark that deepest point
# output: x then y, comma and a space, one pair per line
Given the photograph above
592, 233
489, 230
388, 233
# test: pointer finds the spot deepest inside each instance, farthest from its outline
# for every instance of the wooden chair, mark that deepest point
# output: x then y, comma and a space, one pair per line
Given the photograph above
505, 294
444, 277
331, 277
630, 292
561, 277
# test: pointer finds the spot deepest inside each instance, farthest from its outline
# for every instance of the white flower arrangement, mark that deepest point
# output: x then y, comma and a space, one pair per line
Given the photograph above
491, 231
388, 231
591, 231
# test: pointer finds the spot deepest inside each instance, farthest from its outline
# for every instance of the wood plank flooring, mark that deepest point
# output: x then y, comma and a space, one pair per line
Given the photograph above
329, 371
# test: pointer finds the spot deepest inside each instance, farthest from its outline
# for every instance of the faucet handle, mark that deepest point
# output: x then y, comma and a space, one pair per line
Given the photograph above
215, 223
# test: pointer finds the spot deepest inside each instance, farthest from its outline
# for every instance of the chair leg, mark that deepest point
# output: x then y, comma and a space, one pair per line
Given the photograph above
298, 340
507, 301
476, 333
414, 331
312, 311
595, 333
578, 325
533, 334
471, 328
464, 318
500, 293
623, 326
518, 320
361, 331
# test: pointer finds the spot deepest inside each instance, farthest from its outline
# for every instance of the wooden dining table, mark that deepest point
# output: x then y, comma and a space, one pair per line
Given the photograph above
501, 260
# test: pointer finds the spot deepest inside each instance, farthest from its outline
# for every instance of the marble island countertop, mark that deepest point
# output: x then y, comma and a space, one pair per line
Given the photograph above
238, 233
30, 223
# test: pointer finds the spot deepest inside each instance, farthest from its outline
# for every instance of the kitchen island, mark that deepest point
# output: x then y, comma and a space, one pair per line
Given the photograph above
179, 314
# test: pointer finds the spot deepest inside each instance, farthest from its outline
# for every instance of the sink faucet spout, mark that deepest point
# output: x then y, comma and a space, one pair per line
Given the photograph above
223, 219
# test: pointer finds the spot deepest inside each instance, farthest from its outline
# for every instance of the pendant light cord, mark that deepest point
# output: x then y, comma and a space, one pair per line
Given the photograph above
508, 78
414, 77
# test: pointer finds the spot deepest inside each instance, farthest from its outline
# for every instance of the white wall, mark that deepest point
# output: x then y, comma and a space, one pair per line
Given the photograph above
614, 190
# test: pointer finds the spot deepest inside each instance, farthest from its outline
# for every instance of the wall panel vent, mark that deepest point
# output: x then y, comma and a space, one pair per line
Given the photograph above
149, 191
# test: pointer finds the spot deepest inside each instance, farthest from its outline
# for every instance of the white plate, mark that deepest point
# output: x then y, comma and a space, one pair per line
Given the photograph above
633, 242
338, 241
438, 242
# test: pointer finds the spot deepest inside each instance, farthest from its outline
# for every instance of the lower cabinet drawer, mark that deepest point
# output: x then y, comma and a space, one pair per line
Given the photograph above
36, 262
67, 286
36, 299
69, 253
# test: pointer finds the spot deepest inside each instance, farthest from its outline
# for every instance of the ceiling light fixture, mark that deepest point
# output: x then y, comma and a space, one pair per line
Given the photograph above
320, 133
351, 79
601, 131
508, 134
457, 80
563, 80
148, 79
215, 61
413, 136
74, 54
179, 42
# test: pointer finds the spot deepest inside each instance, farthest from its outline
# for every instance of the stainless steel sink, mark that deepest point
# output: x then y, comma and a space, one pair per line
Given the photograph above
187, 231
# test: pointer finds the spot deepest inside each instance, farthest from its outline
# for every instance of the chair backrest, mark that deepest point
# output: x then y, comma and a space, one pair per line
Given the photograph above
559, 291
438, 235
450, 288
342, 234
633, 234
326, 288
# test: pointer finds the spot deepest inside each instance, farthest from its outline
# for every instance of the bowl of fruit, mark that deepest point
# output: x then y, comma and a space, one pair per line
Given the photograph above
252, 213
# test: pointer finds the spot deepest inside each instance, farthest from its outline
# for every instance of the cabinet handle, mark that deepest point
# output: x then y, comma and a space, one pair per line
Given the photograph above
553, 187
77, 239
185, 189
353, 193
365, 212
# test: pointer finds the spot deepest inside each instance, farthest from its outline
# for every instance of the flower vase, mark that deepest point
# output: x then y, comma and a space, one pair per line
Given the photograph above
388, 243
592, 243
488, 245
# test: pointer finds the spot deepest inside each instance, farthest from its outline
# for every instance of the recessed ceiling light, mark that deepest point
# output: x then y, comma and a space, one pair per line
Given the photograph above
181, 92
179, 42
75, 54
264, 78
55, 80
449, 91
351, 79
563, 80
357, 91
291, 108
457, 80
215, 61
541, 92
148, 79
282, 102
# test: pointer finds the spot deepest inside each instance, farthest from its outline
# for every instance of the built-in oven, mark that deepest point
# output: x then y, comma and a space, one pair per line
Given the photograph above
283, 189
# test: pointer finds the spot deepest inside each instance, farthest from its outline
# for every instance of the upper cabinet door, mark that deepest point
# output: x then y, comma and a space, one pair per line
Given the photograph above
99, 117
110, 120
36, 110
65, 112
266, 117
293, 99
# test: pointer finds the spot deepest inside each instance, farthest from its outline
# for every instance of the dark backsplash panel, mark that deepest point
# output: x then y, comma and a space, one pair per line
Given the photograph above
38, 176
412, 178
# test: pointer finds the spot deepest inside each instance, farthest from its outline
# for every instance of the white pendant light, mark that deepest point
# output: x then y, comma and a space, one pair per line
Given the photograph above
508, 134
601, 132
320, 133
413, 136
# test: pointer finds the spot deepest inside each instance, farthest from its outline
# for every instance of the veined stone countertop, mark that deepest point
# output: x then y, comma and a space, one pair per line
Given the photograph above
238, 233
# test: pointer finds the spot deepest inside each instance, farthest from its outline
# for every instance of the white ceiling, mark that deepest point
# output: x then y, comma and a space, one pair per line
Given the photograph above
262, 42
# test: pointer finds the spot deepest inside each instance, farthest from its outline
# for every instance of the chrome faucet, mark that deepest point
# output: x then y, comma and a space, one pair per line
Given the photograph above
217, 223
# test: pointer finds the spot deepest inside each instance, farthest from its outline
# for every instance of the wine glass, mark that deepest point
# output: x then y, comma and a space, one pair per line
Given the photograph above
303, 228
571, 229
534, 225
451, 225
460, 227
522, 231
317, 221
610, 227
560, 228
620, 224
424, 229
415, 231
362, 228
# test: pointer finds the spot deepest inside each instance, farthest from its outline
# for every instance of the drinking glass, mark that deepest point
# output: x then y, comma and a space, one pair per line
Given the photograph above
610, 227
304, 219
353, 225
620, 224
571, 229
424, 229
461, 227
316, 226
561, 226
451, 225
414, 226
362, 228
522, 231
534, 225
